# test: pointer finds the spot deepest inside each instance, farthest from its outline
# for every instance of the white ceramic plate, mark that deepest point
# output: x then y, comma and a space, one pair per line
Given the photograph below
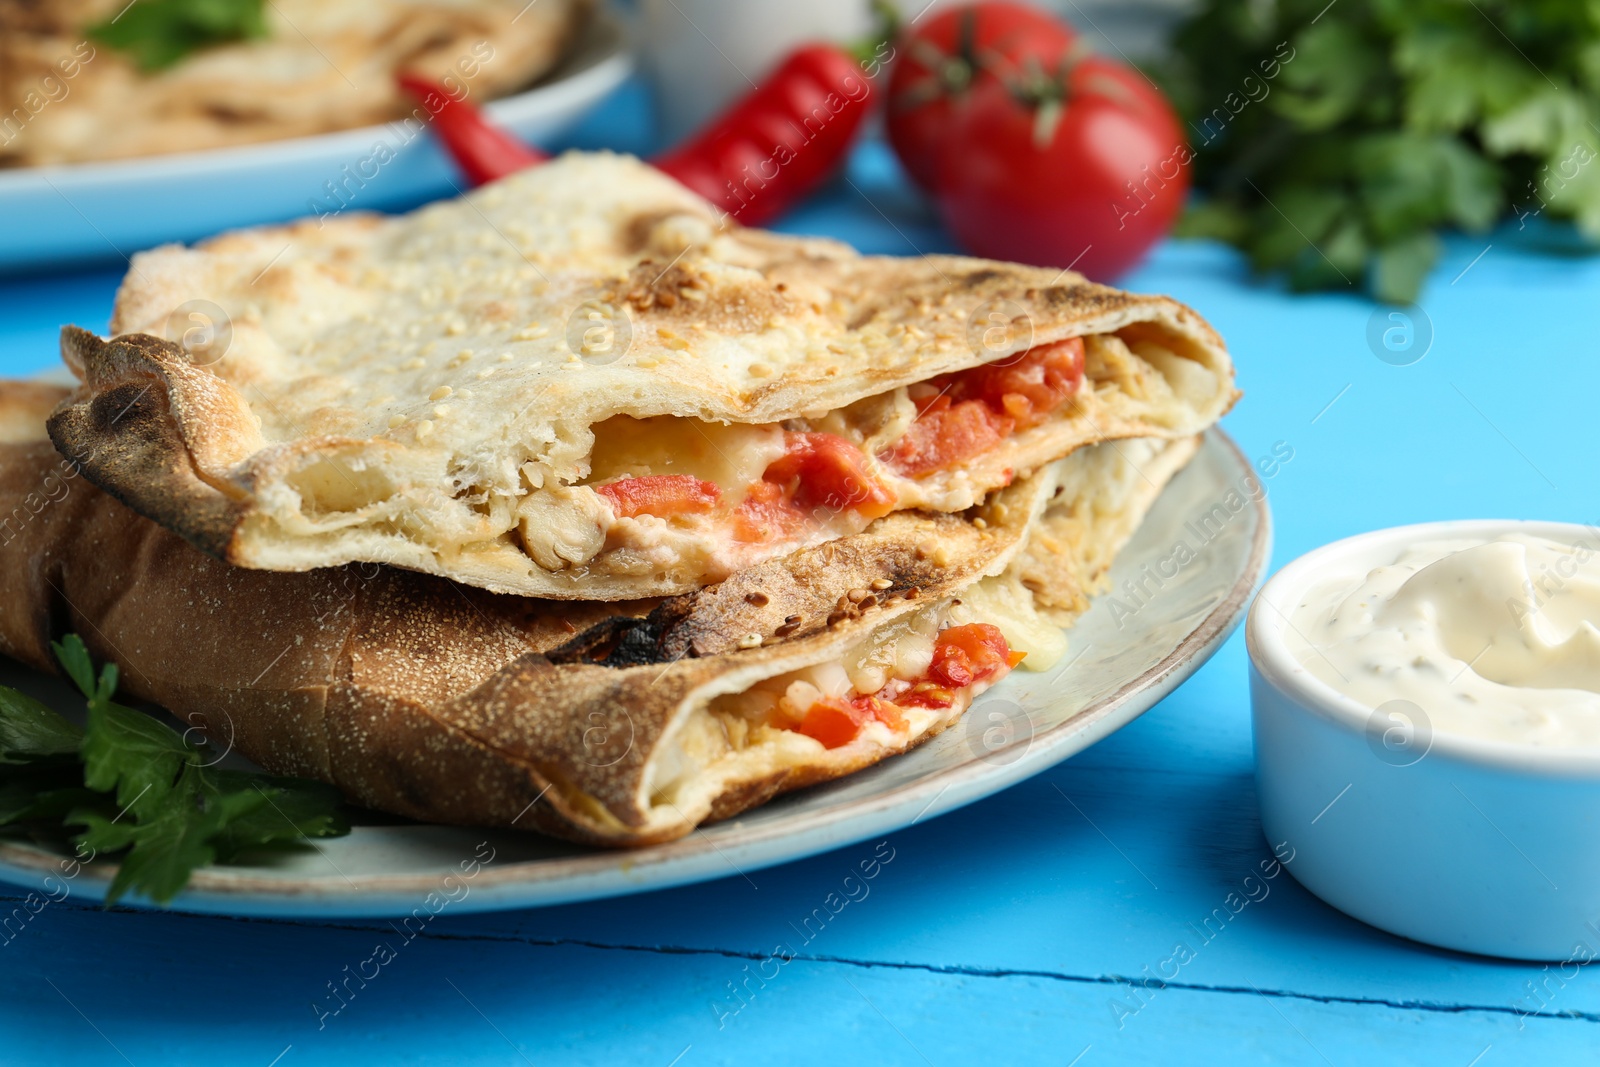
89, 212
1121, 662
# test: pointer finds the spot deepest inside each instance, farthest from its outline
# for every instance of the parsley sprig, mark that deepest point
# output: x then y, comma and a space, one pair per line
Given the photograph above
136, 787
159, 33
1391, 121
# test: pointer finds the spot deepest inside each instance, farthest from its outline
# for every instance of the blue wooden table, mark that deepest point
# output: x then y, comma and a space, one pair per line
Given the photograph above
1110, 911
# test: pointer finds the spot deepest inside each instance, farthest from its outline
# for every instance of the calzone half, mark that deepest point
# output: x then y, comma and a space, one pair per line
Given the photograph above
580, 383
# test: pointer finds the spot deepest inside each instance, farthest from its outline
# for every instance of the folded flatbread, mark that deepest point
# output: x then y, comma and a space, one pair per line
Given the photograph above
618, 724
579, 383
324, 65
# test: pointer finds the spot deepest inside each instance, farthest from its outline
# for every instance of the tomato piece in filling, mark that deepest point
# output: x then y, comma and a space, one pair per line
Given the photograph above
766, 513
962, 656
944, 435
660, 494
835, 721
965, 655
832, 721
926, 694
974, 410
1031, 387
823, 470
818, 472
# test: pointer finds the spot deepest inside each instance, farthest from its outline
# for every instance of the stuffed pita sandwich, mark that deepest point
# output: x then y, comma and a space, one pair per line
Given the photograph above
579, 382
616, 724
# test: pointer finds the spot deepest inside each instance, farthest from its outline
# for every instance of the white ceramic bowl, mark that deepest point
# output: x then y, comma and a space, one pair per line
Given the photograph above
1447, 839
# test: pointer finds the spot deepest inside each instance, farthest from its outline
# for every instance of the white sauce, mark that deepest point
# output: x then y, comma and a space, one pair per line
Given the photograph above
1495, 640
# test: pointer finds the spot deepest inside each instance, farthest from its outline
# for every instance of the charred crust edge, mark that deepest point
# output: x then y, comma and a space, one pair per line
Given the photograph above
124, 442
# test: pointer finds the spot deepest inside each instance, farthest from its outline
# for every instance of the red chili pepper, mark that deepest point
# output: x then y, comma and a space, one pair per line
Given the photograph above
482, 150
754, 161
778, 143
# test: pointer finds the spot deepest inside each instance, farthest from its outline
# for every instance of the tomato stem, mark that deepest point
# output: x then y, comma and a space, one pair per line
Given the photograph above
1048, 93
885, 28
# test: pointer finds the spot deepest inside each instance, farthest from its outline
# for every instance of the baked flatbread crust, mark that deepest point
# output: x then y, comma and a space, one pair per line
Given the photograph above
613, 724
326, 65
423, 391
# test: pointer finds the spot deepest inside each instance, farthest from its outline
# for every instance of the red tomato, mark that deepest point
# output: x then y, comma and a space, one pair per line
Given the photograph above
883, 711
766, 513
1029, 387
949, 54
826, 471
660, 494
952, 666
946, 435
1089, 174
927, 695
972, 653
977, 408
835, 721
819, 470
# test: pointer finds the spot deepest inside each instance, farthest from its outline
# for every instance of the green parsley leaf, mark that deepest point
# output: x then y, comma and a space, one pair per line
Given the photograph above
31, 731
1215, 220
166, 841
74, 659
1373, 125
293, 810
142, 790
41, 795
131, 753
159, 33
1398, 269
1330, 78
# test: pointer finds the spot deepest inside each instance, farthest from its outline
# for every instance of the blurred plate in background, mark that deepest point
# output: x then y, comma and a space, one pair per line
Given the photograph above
99, 212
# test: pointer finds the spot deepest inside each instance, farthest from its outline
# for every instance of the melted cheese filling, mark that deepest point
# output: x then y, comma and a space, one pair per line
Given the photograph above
737, 731
734, 457
574, 526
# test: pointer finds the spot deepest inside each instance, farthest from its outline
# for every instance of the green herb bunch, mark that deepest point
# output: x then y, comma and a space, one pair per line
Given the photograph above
135, 787
1334, 141
159, 33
